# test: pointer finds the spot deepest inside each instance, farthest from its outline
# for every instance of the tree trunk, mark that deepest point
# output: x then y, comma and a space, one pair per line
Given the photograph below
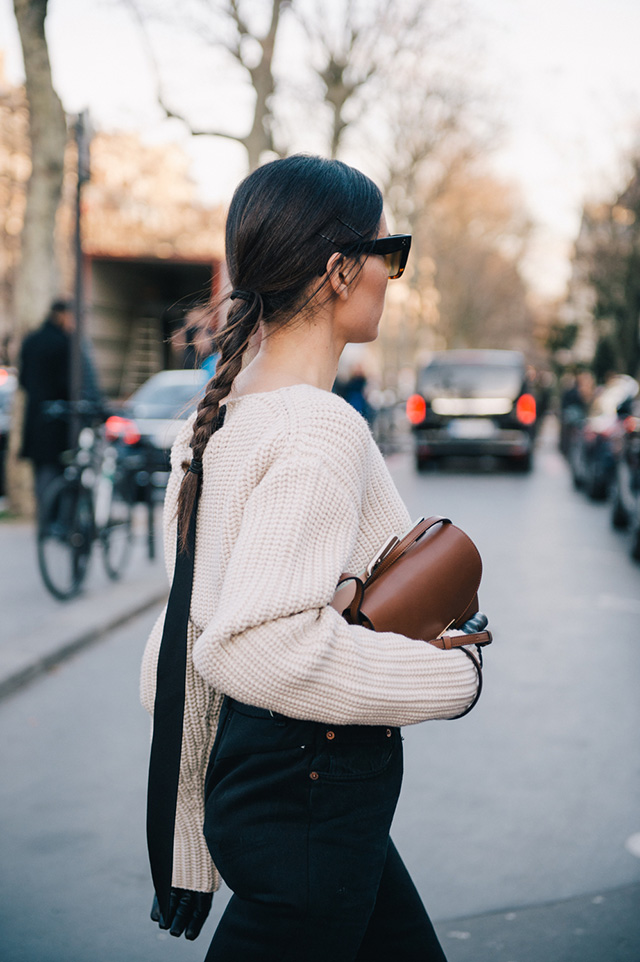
260, 137
36, 279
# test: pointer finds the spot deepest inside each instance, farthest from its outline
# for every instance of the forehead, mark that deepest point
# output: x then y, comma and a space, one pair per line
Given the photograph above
383, 230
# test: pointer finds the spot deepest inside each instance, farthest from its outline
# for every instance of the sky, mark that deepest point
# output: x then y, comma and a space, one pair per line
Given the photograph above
564, 72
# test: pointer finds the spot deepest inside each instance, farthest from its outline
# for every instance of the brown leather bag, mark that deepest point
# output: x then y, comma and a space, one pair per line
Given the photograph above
419, 586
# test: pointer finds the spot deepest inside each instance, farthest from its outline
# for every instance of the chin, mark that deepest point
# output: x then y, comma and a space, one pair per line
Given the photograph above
365, 334
363, 338
372, 334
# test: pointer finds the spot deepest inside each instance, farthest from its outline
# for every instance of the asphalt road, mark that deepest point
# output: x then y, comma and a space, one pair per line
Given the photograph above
531, 799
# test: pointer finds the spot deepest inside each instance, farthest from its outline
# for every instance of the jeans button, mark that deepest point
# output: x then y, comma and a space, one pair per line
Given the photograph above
314, 776
331, 735
388, 733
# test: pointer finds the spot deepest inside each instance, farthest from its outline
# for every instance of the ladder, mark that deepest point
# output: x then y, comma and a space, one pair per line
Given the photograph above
143, 356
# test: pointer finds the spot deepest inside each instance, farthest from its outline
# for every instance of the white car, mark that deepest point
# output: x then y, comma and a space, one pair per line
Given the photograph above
159, 409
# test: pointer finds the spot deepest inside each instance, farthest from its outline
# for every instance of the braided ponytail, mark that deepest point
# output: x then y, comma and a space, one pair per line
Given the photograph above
242, 320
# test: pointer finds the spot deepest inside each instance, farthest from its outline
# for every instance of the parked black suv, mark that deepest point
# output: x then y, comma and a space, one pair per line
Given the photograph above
471, 403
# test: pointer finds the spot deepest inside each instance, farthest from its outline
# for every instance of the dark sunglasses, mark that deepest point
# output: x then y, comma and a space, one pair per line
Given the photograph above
395, 250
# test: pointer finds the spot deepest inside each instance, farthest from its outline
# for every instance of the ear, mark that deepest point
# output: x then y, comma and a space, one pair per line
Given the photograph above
338, 275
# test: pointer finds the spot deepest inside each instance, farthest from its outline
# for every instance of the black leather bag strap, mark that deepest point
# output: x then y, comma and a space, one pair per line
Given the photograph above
477, 662
396, 550
168, 715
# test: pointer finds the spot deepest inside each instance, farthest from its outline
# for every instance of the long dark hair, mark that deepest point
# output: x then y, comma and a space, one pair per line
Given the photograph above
284, 222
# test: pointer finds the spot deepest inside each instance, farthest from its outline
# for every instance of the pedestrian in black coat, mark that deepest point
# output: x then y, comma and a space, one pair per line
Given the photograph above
45, 375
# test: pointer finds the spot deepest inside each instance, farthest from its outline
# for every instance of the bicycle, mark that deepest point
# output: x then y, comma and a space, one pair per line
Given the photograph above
92, 501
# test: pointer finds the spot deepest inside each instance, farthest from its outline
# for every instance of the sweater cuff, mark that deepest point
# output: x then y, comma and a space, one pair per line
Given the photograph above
193, 868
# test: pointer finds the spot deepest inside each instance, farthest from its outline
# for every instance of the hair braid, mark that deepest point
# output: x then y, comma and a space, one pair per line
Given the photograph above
232, 341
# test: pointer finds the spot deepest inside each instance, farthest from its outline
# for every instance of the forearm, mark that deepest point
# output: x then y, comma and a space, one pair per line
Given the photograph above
314, 665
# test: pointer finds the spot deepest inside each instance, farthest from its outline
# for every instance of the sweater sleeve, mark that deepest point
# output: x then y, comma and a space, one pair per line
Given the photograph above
275, 642
192, 865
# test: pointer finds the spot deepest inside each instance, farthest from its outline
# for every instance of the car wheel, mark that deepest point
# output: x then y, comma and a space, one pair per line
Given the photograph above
423, 464
522, 463
596, 484
634, 544
574, 467
619, 514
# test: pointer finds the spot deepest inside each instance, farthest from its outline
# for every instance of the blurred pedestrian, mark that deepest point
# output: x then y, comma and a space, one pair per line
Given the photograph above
303, 776
575, 401
354, 391
45, 375
192, 339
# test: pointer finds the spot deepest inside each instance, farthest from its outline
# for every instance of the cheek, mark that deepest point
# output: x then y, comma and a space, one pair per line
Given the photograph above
381, 281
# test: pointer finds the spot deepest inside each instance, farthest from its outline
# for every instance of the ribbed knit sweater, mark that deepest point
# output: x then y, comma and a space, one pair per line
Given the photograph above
294, 493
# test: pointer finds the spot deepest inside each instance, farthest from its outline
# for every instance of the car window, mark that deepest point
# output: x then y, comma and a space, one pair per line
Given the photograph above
159, 399
470, 380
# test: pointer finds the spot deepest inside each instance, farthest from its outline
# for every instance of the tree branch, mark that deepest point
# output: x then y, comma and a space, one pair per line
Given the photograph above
168, 111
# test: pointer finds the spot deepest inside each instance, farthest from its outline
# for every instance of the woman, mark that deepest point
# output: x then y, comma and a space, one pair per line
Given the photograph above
305, 772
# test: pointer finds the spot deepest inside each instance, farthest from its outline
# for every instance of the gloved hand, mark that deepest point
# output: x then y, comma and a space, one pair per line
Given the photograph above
187, 912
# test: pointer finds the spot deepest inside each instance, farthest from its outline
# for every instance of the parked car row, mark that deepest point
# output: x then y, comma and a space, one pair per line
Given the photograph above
154, 414
467, 403
602, 446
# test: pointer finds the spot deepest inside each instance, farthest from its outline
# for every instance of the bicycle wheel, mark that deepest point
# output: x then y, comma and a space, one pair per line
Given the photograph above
65, 534
116, 536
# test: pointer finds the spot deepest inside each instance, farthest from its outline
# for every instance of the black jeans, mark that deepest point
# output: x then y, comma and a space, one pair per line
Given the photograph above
297, 821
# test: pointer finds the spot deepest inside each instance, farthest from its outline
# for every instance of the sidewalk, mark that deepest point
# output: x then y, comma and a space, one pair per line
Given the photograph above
37, 631
592, 928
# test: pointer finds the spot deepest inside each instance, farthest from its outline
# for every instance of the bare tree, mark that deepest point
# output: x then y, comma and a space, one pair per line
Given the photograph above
15, 170
429, 122
356, 53
37, 278
599, 320
465, 289
344, 52
477, 235
369, 54
224, 24
400, 79
614, 275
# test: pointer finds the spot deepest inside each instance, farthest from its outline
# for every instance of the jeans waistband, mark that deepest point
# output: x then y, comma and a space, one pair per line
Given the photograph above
252, 711
360, 732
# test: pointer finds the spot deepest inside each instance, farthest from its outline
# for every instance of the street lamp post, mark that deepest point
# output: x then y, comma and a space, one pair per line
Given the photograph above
82, 131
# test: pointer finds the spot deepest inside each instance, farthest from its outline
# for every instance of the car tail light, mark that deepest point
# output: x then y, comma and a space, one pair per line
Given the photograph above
631, 424
526, 409
121, 429
416, 409
4, 375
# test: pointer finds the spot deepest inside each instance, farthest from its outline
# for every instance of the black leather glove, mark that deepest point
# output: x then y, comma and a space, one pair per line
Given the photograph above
187, 912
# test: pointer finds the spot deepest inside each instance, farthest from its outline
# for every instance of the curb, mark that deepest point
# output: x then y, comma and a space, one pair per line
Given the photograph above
84, 639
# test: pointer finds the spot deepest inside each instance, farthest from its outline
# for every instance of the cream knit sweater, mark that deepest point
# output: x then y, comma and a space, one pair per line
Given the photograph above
294, 493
